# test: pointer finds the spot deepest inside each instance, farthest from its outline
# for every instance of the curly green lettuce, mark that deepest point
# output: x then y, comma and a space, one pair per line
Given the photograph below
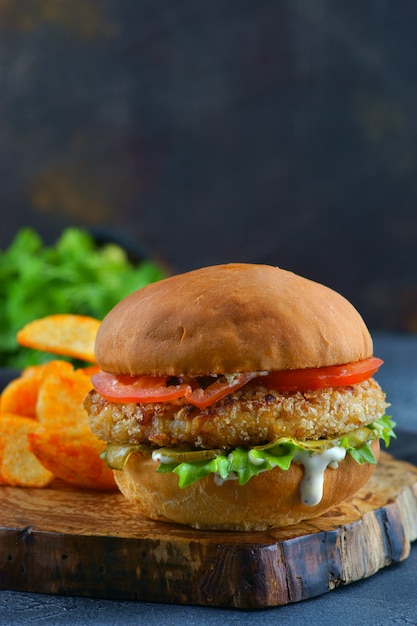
242, 464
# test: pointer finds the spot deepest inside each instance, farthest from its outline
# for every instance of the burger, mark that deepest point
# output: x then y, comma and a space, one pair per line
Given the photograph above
237, 396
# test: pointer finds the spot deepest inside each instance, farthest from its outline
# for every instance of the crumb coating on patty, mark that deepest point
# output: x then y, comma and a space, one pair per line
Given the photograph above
251, 416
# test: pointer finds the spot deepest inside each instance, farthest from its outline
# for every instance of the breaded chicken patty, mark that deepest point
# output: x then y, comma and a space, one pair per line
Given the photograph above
251, 416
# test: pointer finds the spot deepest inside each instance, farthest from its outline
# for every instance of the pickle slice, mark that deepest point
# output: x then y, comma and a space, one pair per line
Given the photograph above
355, 439
359, 436
116, 455
172, 455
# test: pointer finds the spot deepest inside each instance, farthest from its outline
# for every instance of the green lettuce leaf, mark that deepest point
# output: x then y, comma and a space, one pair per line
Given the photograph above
242, 464
384, 429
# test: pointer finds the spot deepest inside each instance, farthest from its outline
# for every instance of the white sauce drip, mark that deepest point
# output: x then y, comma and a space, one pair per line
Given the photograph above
159, 457
254, 460
314, 468
219, 481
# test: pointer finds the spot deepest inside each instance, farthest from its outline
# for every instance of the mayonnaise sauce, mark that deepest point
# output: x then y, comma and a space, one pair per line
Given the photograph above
219, 481
160, 457
314, 468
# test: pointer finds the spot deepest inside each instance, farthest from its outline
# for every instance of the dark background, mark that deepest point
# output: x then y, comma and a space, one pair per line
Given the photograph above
214, 131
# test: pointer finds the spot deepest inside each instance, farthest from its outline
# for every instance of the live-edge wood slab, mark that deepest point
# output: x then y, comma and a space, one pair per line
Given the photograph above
71, 542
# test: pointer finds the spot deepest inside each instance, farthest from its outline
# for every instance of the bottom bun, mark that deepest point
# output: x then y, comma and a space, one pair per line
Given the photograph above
270, 500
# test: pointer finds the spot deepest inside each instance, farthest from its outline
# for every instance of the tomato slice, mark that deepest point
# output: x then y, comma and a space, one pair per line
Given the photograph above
202, 398
125, 388
145, 389
321, 377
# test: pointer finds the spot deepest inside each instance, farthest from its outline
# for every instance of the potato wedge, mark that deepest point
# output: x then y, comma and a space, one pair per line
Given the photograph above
73, 456
21, 394
60, 399
18, 465
65, 334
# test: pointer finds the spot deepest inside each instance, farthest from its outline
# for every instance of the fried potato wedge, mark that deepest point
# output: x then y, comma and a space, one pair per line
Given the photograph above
18, 465
64, 333
21, 394
60, 399
44, 431
73, 456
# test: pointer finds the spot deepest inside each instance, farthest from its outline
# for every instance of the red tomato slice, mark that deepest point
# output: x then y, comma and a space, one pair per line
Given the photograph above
202, 398
155, 389
146, 389
137, 388
321, 377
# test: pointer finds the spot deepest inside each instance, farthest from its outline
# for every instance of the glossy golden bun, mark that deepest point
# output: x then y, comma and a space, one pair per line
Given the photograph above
270, 500
228, 319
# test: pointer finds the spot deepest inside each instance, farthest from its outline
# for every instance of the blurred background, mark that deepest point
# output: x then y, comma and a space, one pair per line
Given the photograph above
205, 132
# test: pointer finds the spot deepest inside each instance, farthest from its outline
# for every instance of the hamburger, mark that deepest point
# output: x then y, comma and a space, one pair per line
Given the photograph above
237, 396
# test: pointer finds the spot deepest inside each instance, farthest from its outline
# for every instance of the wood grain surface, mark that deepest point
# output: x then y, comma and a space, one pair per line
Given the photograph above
62, 541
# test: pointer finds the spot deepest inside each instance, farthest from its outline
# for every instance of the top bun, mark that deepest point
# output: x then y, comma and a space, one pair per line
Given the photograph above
228, 319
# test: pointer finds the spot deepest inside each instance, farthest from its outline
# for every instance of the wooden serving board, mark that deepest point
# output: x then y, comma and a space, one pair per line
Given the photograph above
62, 541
